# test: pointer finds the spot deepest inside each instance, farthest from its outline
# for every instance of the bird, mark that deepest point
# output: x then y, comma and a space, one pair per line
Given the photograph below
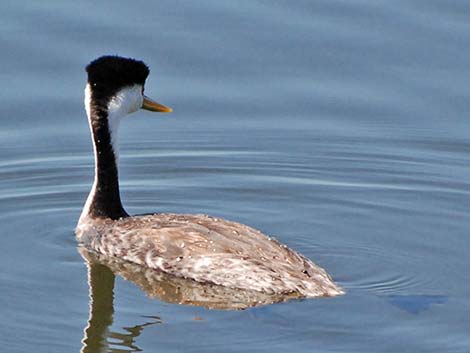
197, 247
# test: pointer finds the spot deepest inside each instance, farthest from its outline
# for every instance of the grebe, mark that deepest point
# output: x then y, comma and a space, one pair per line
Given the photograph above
198, 247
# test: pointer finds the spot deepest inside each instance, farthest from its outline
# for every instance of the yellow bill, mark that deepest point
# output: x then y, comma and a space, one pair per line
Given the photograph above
153, 106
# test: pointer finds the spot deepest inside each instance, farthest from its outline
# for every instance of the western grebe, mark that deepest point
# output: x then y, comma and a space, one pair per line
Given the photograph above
197, 247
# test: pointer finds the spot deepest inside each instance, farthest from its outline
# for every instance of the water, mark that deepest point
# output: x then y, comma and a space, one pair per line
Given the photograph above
339, 127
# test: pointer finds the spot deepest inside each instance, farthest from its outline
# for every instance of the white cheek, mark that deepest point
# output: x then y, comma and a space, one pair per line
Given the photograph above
136, 99
126, 101
140, 101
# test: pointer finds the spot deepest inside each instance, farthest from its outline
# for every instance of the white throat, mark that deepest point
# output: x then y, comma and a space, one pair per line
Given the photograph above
89, 200
128, 100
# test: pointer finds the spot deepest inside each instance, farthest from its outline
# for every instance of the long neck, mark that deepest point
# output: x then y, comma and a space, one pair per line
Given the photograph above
104, 199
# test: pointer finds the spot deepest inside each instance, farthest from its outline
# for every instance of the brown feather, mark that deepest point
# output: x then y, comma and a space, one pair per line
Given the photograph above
207, 250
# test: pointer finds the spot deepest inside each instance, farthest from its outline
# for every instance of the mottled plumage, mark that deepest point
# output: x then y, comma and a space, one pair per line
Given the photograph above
208, 249
179, 290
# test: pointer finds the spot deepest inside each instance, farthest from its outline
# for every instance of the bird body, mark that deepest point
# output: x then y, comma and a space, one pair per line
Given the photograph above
207, 249
198, 247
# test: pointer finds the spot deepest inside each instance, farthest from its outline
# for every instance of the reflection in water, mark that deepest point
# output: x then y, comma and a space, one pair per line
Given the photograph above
97, 333
101, 282
101, 276
178, 290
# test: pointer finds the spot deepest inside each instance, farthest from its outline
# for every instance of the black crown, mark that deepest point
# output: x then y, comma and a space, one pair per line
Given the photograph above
110, 73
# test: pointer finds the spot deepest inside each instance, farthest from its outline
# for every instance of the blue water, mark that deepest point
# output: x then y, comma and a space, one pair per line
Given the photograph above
340, 127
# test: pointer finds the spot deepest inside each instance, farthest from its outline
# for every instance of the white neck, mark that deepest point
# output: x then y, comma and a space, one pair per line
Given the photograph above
87, 103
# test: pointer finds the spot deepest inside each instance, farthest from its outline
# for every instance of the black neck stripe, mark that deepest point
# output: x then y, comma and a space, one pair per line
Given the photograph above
106, 200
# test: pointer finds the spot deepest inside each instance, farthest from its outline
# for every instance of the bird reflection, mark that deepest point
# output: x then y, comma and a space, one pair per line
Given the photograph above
101, 278
97, 333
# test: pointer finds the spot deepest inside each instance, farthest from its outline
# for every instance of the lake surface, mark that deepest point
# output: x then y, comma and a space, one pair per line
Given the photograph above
342, 128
